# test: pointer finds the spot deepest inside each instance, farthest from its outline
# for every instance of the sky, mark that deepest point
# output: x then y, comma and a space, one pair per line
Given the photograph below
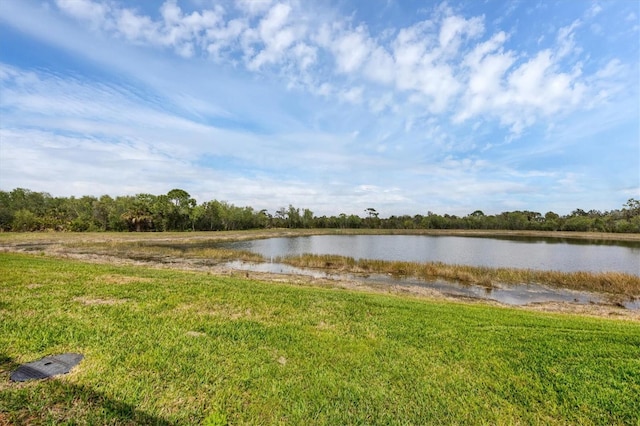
407, 107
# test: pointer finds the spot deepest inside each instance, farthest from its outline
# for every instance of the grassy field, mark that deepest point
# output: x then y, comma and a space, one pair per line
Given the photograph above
176, 347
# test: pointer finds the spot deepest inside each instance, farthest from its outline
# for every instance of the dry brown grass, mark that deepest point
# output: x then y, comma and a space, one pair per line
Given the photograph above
162, 251
98, 301
605, 282
120, 279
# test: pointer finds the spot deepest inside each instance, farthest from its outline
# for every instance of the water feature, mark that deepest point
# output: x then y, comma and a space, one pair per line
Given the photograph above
513, 252
530, 253
517, 294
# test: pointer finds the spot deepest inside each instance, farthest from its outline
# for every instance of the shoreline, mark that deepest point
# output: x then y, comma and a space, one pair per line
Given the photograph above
158, 250
49, 236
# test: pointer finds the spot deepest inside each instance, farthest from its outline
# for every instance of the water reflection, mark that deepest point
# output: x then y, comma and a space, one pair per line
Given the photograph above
521, 294
632, 304
558, 240
511, 252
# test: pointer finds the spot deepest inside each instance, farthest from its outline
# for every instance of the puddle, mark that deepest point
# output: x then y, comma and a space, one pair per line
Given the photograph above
632, 304
517, 294
279, 268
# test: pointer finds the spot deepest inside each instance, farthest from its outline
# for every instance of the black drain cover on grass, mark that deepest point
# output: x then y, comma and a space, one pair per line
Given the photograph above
46, 367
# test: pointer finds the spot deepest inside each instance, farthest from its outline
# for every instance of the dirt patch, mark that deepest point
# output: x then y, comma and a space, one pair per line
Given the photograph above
324, 326
593, 310
4, 420
192, 333
217, 310
121, 279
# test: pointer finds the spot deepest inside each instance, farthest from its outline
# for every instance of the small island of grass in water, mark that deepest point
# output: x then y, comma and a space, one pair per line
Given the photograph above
614, 283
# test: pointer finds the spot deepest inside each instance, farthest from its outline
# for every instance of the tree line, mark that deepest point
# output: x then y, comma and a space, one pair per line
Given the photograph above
25, 210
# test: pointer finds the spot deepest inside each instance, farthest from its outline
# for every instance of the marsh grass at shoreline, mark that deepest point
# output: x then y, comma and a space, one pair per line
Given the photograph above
604, 282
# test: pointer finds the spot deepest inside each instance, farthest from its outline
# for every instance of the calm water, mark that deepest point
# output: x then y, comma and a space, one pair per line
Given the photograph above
532, 253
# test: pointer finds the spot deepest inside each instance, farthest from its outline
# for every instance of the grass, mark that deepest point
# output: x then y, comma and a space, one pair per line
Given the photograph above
163, 251
175, 347
284, 232
615, 283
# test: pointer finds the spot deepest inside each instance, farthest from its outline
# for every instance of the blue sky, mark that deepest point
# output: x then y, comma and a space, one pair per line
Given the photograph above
337, 106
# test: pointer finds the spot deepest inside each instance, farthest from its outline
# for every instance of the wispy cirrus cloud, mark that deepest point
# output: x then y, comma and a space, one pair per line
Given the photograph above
277, 102
447, 64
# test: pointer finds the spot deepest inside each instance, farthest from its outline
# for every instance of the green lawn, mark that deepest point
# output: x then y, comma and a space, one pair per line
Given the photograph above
173, 347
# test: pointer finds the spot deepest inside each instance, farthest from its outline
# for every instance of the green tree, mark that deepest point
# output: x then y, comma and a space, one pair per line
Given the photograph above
631, 208
180, 216
372, 220
138, 215
578, 223
293, 217
307, 219
6, 213
280, 218
211, 219
263, 219
354, 221
551, 221
25, 220
80, 215
101, 210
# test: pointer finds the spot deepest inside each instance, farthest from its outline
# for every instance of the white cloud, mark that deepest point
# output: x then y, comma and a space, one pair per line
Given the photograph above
221, 38
565, 41
95, 13
352, 95
488, 65
421, 69
520, 91
442, 63
380, 67
382, 103
411, 44
453, 28
184, 33
325, 89
613, 69
135, 27
535, 87
254, 7
306, 55
351, 49
594, 10
275, 34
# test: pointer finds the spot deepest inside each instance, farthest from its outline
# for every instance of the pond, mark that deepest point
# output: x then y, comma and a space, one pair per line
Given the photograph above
567, 255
